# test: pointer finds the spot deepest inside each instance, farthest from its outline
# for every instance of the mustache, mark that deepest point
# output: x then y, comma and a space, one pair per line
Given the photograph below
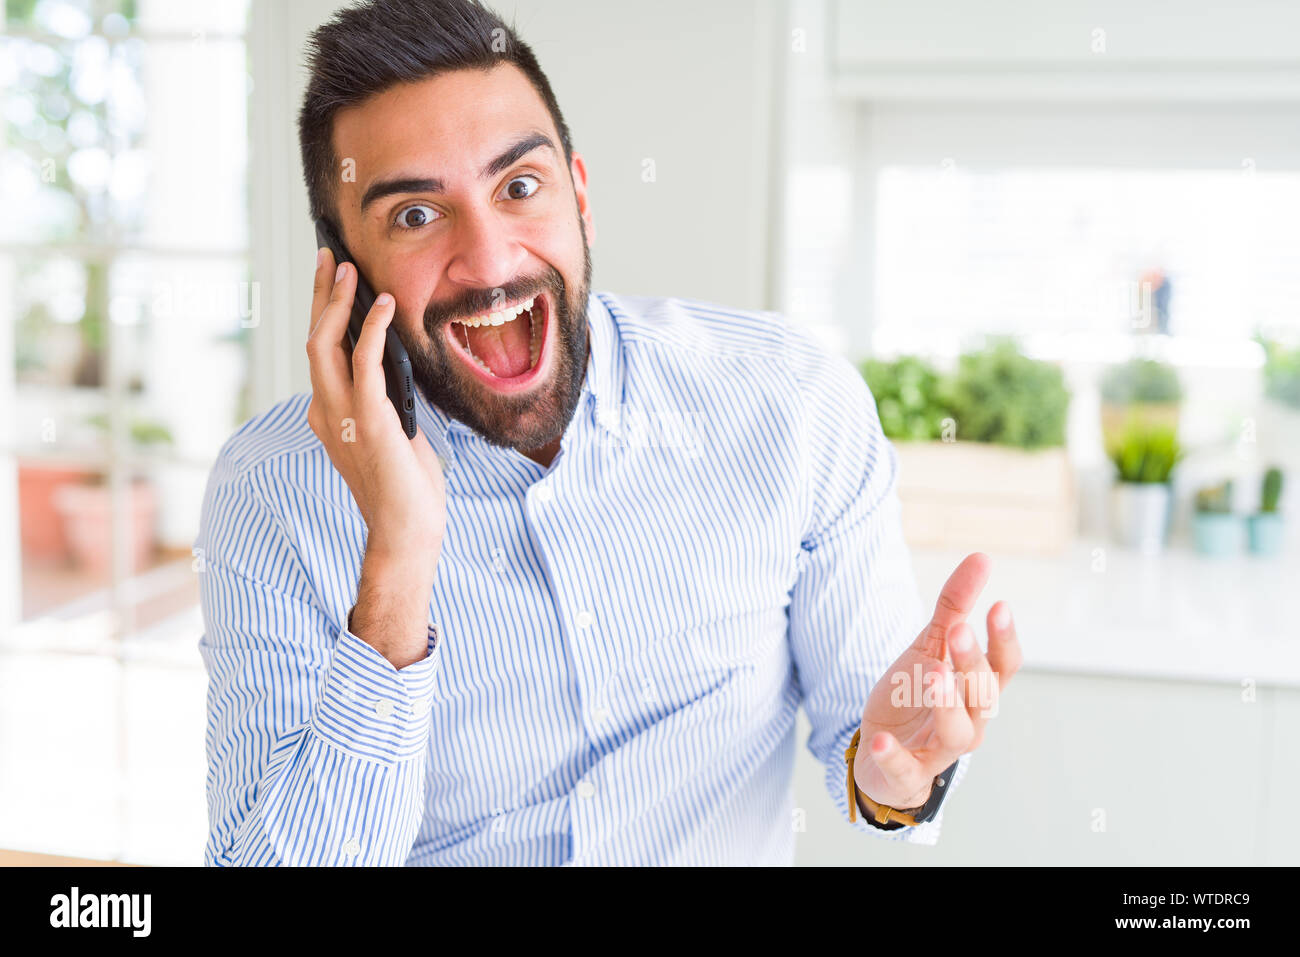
480, 301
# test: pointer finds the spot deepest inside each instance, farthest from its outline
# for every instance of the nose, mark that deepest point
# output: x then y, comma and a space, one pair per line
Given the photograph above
484, 253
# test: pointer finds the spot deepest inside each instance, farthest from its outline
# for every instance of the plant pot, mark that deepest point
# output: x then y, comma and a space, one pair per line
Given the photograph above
1217, 534
41, 525
1140, 515
1266, 533
975, 495
86, 511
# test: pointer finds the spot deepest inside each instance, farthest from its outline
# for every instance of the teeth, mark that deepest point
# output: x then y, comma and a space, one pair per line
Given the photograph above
498, 318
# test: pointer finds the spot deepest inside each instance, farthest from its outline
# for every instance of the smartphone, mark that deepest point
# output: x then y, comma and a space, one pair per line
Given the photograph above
397, 364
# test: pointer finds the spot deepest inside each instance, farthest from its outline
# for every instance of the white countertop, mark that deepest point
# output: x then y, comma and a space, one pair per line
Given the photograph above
1102, 609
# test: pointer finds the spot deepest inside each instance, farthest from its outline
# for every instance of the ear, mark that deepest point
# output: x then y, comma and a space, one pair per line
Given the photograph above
578, 170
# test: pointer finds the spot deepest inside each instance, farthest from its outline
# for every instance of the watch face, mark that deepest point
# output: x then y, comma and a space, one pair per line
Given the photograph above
931, 807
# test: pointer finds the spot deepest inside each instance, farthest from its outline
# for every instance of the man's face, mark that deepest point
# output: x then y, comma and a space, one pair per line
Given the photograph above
461, 207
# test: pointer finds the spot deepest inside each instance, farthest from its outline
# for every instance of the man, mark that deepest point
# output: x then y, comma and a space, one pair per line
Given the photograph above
571, 621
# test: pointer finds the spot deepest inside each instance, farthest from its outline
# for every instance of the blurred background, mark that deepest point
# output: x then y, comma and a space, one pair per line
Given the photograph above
1061, 242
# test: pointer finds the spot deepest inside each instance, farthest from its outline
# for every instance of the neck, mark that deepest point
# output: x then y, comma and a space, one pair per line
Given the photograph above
545, 455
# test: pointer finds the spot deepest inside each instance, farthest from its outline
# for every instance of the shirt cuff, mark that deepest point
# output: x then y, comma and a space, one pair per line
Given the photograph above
927, 832
372, 710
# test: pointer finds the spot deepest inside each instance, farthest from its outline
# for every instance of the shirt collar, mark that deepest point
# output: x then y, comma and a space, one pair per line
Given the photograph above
603, 379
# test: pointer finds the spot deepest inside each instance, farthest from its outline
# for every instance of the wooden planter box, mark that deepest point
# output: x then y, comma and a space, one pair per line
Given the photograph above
980, 497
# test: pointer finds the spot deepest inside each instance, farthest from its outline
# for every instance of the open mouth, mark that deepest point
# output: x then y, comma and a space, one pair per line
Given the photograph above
506, 349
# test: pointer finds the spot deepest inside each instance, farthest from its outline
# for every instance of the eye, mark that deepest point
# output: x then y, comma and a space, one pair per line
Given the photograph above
413, 217
520, 188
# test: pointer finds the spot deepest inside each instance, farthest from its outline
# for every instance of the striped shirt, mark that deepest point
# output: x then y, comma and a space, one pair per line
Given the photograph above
618, 643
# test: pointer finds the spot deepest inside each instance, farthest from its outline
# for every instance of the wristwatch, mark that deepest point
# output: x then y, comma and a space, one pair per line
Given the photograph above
891, 818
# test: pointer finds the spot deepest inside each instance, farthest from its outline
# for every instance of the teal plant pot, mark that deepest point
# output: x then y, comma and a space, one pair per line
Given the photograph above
1216, 534
1265, 533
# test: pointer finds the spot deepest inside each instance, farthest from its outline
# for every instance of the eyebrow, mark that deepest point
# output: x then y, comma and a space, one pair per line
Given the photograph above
409, 184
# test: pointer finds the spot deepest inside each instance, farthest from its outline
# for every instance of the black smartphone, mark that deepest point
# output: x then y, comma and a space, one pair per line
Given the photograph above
397, 364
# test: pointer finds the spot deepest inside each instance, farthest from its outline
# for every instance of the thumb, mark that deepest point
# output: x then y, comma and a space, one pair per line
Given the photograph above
900, 768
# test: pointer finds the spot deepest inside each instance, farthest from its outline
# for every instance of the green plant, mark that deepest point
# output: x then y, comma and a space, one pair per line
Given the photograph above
1146, 454
1271, 490
1281, 372
908, 393
1215, 499
143, 431
1141, 380
1001, 396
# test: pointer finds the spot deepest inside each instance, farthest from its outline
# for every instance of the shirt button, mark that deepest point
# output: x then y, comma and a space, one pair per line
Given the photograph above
544, 493
585, 619
352, 848
383, 707
600, 715
586, 789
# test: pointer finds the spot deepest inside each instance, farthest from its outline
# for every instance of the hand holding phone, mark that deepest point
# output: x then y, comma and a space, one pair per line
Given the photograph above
397, 364
396, 481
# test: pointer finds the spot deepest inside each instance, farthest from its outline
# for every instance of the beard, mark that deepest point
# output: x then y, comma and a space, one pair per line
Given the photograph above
522, 422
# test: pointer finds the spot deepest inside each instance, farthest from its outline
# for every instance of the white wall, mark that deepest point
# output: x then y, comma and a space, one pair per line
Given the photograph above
1163, 49
1061, 32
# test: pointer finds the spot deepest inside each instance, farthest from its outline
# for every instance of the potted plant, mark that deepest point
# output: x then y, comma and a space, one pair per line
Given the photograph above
86, 510
1277, 423
1266, 525
42, 533
981, 450
1138, 393
908, 397
1281, 373
1144, 459
1215, 529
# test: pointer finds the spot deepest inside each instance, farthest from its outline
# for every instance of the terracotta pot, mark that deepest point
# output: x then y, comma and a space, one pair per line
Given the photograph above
87, 522
41, 525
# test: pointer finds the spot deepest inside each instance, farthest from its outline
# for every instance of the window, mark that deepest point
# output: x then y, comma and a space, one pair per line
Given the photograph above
1072, 260
124, 281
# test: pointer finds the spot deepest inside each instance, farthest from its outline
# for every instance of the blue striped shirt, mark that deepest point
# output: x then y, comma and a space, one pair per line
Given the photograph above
618, 643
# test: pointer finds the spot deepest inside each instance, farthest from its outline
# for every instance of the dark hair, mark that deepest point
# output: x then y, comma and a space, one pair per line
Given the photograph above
365, 49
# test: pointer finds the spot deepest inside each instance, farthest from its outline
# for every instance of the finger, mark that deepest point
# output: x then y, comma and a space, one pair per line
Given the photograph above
325, 349
978, 684
956, 601
952, 724
368, 353
901, 769
1005, 655
321, 286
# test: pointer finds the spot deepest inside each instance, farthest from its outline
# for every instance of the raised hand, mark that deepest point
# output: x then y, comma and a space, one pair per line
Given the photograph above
932, 704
